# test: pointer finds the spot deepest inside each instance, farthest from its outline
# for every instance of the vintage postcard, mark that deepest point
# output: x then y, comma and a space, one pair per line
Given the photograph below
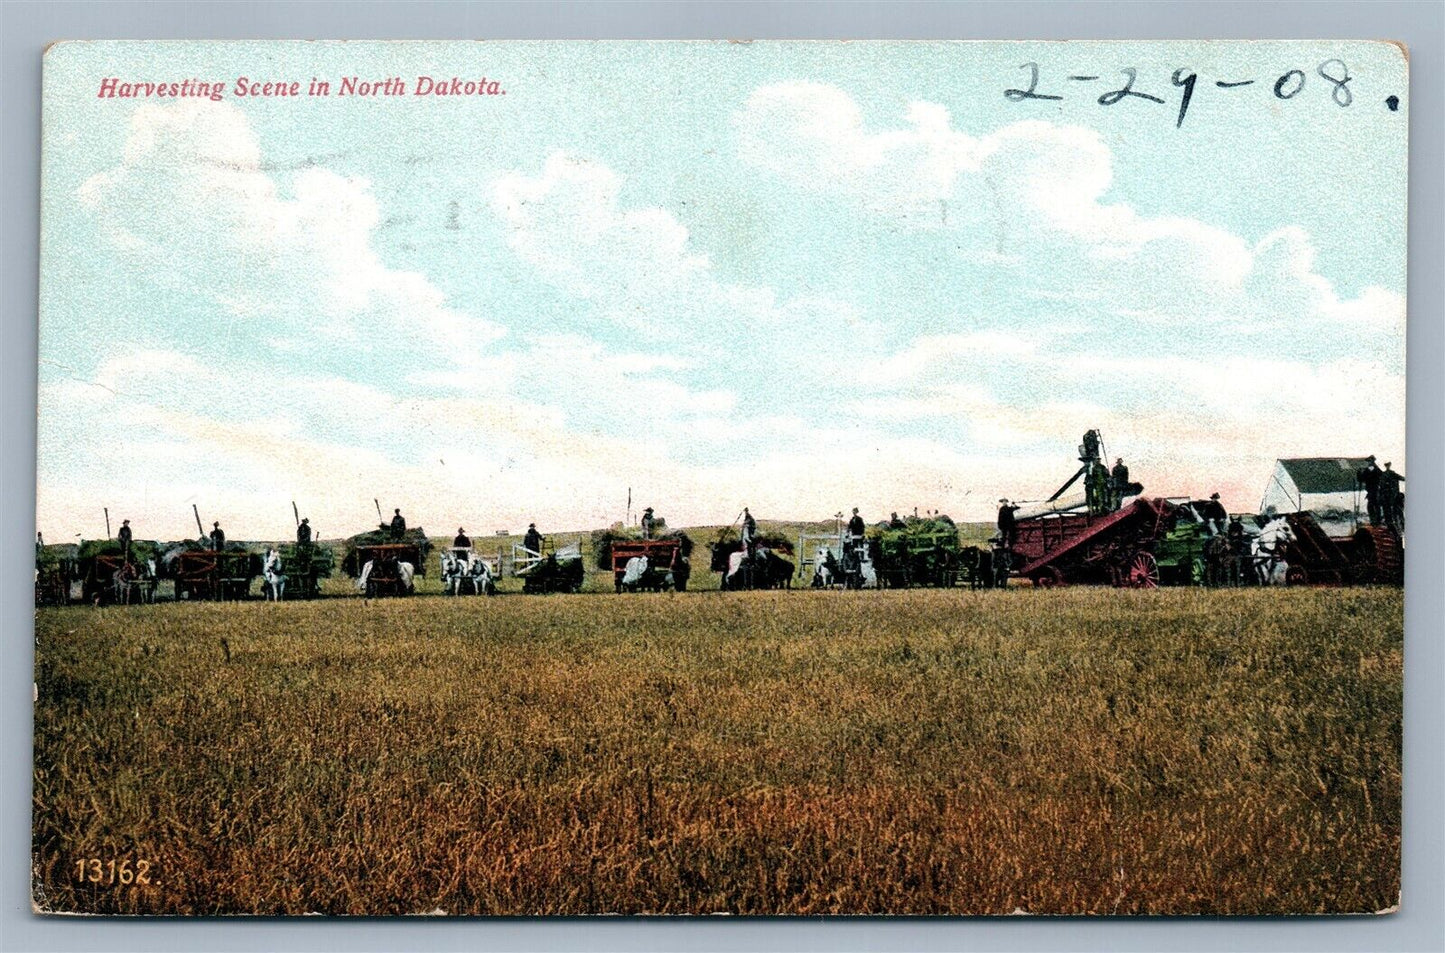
557, 478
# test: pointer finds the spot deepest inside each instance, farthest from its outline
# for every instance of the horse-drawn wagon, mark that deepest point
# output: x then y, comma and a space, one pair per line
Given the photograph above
109, 575
542, 571
54, 572
925, 552
650, 564
304, 566
211, 574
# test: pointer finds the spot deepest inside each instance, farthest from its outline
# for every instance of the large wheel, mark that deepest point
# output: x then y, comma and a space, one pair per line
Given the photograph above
1296, 576
1142, 571
1051, 577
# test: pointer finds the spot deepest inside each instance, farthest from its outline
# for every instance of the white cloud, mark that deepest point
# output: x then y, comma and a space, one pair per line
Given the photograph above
191, 205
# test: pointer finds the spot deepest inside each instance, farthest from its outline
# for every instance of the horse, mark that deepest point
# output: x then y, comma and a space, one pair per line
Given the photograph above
1269, 552
977, 562
462, 571
764, 569
639, 574
826, 571
273, 582
138, 579
404, 578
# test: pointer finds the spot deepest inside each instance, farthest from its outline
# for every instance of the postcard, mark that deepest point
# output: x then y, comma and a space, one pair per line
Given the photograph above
761, 478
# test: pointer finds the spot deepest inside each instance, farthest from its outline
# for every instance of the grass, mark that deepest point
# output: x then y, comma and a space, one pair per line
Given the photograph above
1071, 751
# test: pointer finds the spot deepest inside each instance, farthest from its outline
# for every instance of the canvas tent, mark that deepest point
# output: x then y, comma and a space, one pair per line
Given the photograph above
1323, 486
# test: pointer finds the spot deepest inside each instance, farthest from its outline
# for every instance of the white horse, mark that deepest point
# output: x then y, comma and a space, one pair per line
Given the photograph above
1268, 551
405, 576
826, 570
633, 572
273, 582
467, 571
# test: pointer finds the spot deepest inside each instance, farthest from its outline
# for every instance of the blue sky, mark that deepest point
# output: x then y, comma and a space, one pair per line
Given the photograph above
799, 276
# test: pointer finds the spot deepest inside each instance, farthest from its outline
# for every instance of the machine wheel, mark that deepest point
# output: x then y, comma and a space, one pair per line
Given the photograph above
1051, 577
1143, 572
1296, 576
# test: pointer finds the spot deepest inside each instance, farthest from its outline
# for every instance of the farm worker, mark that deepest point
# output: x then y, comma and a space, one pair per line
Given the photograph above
895, 523
1392, 501
533, 540
1007, 525
1368, 478
1119, 476
39, 544
303, 532
1238, 549
855, 526
1214, 515
750, 532
398, 525
648, 523
462, 543
124, 537
218, 536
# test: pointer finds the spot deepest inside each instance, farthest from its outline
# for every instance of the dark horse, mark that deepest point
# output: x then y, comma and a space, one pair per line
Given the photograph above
764, 569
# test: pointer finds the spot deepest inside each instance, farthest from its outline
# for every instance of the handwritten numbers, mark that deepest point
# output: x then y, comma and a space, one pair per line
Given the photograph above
1109, 99
1286, 88
1343, 96
1187, 81
1019, 95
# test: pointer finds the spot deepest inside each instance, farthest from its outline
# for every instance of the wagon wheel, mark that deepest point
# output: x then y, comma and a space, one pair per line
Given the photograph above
1143, 571
1296, 576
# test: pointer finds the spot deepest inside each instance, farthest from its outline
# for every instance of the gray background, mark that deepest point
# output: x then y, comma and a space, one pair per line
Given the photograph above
25, 27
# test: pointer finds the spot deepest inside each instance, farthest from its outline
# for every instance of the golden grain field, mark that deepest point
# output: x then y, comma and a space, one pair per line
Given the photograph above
1068, 751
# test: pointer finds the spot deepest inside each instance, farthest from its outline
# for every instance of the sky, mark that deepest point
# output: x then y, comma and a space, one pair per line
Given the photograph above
801, 277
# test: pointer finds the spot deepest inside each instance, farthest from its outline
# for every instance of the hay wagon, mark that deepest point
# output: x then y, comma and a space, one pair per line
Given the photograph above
386, 576
304, 567
1118, 548
52, 581
214, 575
924, 553
542, 572
667, 565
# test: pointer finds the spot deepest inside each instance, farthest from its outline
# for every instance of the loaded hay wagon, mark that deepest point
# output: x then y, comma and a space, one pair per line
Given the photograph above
661, 564
925, 552
385, 566
213, 575
55, 570
107, 576
560, 570
304, 567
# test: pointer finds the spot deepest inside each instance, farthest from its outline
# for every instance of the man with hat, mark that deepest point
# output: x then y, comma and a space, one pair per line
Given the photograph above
648, 523
303, 533
533, 540
462, 544
398, 526
124, 538
1215, 516
1007, 525
1392, 501
1368, 479
218, 536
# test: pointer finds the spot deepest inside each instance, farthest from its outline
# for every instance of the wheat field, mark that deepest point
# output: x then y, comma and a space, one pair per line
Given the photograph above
910, 752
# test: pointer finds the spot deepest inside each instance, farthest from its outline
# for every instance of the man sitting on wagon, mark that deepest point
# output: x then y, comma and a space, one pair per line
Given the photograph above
649, 523
1215, 516
303, 533
398, 526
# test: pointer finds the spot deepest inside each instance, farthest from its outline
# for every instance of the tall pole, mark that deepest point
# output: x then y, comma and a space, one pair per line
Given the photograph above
295, 512
378, 508
199, 528
107, 521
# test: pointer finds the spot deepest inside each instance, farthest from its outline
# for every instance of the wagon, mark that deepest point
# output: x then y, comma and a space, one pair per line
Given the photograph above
925, 553
52, 581
387, 577
1180, 550
1115, 548
666, 562
558, 571
209, 574
304, 568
